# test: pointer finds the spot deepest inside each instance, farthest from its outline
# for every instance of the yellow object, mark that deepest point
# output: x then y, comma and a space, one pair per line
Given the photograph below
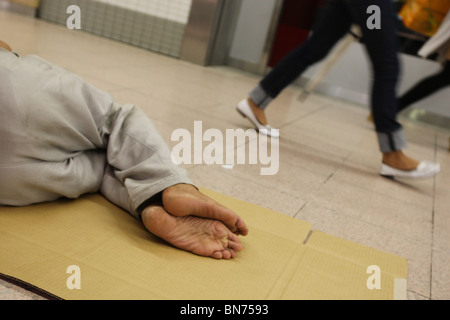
28, 3
116, 258
424, 16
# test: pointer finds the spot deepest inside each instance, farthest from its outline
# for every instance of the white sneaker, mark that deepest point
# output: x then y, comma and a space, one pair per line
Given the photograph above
244, 109
425, 169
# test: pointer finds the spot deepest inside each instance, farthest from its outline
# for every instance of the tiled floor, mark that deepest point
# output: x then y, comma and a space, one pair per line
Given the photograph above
329, 158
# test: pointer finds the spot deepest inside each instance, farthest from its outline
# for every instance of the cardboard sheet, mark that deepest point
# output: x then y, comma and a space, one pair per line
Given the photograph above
118, 259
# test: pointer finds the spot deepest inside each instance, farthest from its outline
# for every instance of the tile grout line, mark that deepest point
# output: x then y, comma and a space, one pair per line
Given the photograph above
326, 105
432, 217
319, 187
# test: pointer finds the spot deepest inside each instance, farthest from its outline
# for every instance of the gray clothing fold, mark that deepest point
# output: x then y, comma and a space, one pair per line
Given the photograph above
62, 137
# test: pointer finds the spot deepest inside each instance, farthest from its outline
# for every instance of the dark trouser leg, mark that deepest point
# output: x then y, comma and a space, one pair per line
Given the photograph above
333, 24
381, 45
425, 88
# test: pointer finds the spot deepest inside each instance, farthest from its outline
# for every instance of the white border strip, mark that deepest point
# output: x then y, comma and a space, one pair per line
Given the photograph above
400, 287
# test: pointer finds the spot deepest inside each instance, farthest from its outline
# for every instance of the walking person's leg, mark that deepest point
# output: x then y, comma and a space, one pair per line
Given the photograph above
381, 45
331, 26
425, 88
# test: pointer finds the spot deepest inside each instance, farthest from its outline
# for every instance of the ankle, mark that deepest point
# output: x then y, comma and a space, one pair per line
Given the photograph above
391, 156
398, 160
258, 112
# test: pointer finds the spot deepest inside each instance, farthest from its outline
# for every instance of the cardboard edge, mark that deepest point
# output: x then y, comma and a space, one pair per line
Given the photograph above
29, 287
316, 236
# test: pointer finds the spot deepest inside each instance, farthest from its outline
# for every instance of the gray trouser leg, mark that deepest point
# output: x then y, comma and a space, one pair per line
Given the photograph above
62, 137
260, 97
393, 141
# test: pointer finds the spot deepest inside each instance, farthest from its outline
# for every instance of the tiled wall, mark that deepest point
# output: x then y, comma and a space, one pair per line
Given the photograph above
174, 10
157, 25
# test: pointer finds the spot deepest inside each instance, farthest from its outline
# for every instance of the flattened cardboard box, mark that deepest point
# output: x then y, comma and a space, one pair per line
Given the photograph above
119, 259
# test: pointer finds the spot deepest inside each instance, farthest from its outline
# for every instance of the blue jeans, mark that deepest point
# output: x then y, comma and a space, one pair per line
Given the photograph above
381, 44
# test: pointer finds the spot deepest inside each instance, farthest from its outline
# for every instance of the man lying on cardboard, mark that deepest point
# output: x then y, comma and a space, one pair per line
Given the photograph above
62, 137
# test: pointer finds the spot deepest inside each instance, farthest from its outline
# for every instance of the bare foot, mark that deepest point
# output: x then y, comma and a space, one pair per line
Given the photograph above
204, 237
258, 112
398, 160
184, 200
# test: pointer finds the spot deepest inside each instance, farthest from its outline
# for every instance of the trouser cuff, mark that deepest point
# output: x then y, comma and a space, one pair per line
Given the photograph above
260, 97
391, 141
